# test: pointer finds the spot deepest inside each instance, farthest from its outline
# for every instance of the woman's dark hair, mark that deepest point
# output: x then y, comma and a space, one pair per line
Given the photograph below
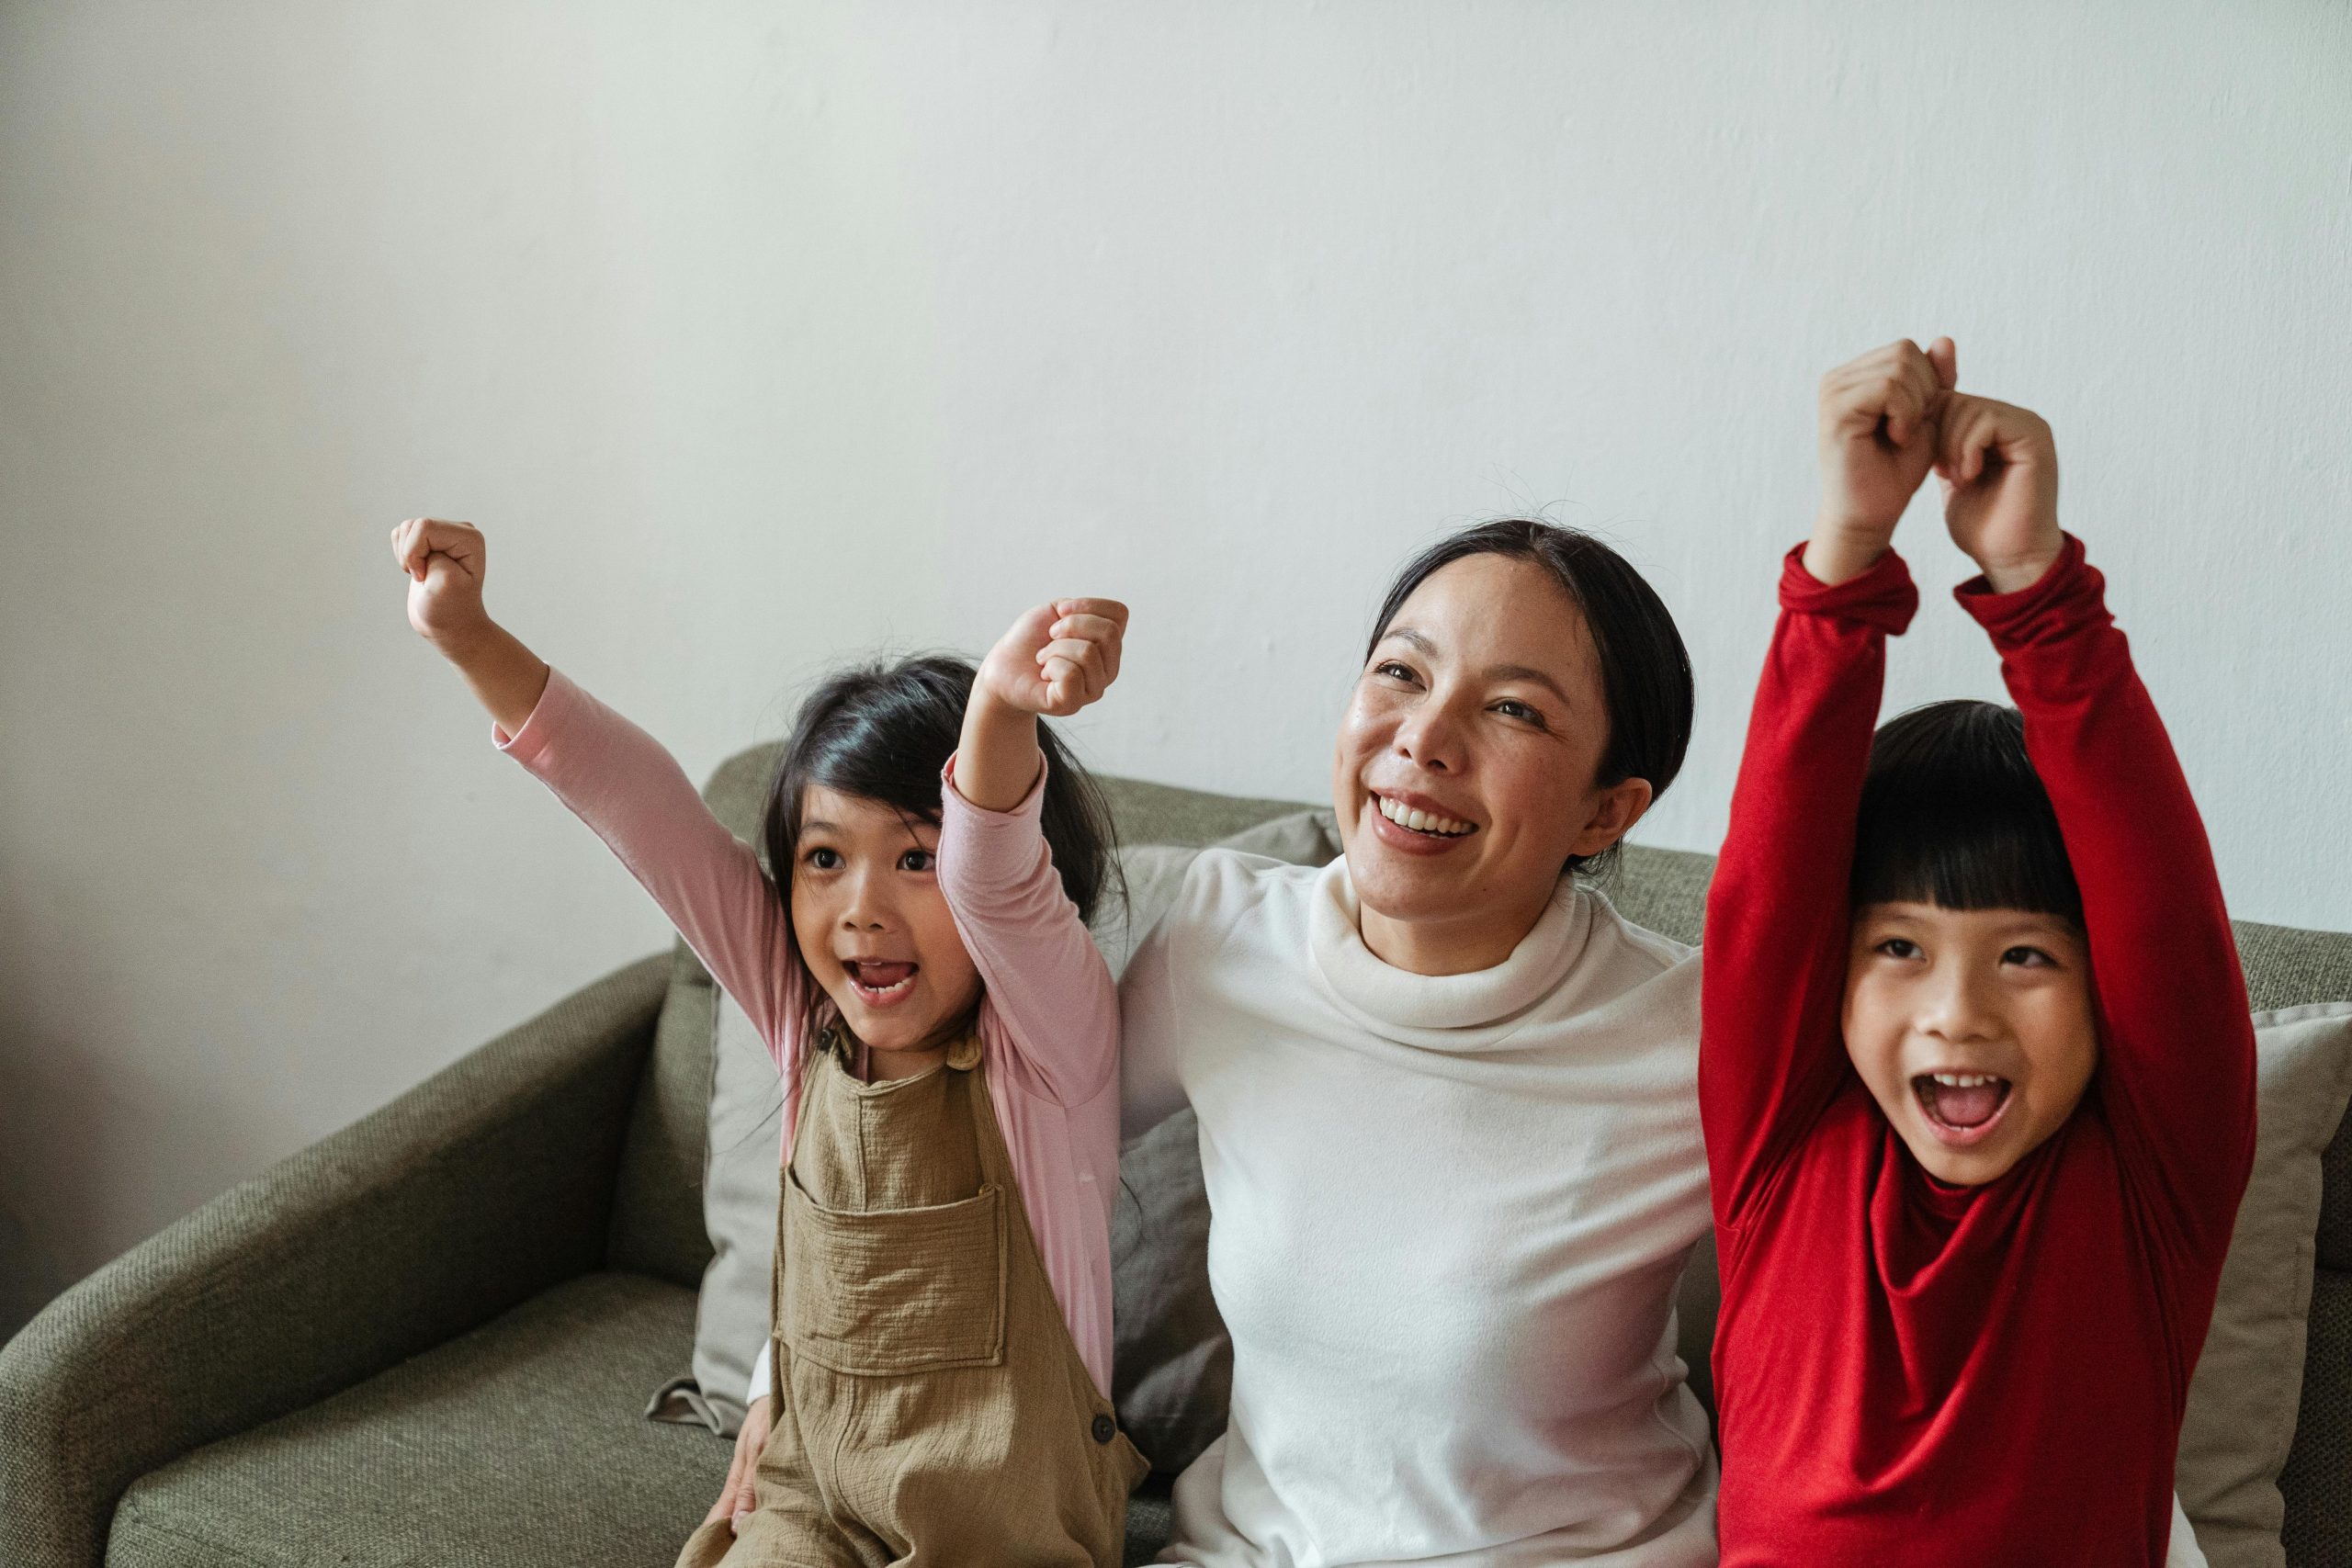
1645, 669
883, 731
1953, 815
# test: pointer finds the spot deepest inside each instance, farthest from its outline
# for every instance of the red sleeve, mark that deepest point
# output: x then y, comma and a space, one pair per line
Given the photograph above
2177, 1069
1770, 1053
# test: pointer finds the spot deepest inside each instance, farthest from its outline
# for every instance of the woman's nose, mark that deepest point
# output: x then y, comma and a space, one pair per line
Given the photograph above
1432, 736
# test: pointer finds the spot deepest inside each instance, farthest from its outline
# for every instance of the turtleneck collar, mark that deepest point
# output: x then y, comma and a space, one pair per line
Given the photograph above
1457, 1012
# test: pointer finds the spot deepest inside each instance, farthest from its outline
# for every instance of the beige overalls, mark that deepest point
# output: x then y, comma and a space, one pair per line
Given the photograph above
931, 1408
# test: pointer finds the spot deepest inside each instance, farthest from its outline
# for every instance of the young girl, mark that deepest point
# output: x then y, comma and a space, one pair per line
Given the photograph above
1976, 1068
921, 971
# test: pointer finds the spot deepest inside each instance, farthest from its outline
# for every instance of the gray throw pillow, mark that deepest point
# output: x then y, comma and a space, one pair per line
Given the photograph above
2248, 1385
742, 1176
1172, 1363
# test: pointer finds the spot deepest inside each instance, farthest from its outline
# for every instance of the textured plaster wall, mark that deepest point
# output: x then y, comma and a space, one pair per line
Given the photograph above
757, 336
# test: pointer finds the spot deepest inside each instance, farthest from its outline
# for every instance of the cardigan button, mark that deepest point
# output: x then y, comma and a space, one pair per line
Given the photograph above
1105, 1428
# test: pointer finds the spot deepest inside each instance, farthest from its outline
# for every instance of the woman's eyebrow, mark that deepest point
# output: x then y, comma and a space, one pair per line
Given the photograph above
1416, 638
1409, 635
1524, 672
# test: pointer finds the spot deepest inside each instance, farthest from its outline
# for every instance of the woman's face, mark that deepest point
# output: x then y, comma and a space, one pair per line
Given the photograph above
1463, 777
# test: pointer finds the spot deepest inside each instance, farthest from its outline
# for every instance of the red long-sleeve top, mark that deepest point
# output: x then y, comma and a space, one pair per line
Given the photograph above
1910, 1372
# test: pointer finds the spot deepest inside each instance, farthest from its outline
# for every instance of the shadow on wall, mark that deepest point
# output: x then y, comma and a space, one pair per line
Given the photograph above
26, 1281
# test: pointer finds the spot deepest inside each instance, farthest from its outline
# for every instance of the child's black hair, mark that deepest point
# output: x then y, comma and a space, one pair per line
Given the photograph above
883, 731
1953, 815
1645, 670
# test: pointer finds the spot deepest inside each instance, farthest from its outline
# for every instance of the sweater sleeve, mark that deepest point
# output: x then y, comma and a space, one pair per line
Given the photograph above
1770, 1055
1044, 975
633, 793
2176, 1070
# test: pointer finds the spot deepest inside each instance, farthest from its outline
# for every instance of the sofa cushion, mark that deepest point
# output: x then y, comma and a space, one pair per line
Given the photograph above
520, 1443
2318, 1528
2241, 1403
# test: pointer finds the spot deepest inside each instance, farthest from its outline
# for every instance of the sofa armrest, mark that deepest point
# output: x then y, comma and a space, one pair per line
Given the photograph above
474, 1192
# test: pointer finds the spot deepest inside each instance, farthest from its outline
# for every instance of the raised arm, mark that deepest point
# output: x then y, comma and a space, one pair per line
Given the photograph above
614, 776
2176, 1068
1771, 1052
1041, 968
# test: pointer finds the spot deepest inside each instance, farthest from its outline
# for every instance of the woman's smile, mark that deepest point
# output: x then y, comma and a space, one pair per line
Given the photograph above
1415, 822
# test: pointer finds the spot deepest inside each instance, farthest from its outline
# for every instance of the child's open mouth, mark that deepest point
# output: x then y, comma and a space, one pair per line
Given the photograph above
879, 982
1962, 1108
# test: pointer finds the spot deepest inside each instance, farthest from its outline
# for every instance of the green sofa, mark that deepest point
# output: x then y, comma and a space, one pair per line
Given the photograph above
429, 1339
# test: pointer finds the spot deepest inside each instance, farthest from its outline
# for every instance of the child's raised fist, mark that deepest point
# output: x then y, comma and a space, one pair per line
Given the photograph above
1057, 658
444, 562
1999, 468
1878, 428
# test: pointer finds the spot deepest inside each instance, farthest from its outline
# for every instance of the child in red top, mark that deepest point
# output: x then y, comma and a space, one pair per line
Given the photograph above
1976, 1069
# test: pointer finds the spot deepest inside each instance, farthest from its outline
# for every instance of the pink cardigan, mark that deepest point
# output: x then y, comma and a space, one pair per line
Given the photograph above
1049, 1017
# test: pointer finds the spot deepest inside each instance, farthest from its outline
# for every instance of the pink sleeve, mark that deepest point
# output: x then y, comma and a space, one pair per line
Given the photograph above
1044, 975
619, 781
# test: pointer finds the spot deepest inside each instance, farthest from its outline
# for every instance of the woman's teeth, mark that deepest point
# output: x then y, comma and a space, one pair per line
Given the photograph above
1420, 821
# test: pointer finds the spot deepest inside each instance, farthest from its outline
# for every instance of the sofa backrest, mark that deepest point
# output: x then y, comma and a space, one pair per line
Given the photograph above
658, 1223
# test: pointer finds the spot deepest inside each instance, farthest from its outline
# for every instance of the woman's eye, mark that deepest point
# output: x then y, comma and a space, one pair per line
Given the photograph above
821, 860
1511, 707
918, 860
1393, 670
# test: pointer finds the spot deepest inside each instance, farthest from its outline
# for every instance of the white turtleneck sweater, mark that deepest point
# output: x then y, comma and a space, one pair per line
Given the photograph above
1447, 1217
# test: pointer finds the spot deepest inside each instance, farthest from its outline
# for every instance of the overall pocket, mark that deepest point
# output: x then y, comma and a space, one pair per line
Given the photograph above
888, 1291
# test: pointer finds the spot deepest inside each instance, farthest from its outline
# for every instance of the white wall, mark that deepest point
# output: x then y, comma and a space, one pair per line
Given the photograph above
757, 336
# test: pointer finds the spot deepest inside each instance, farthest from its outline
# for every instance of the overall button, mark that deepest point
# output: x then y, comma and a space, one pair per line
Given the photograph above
1105, 1428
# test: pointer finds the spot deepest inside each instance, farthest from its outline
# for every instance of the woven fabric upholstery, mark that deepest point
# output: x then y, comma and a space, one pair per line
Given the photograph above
2317, 1482
475, 1190
1159, 814
1660, 890
2286, 967
518, 1443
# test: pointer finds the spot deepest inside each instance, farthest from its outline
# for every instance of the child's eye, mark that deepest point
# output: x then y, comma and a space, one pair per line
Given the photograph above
822, 859
1898, 947
2031, 957
918, 860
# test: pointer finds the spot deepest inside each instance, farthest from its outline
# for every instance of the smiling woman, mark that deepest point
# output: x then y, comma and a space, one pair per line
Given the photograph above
1447, 1101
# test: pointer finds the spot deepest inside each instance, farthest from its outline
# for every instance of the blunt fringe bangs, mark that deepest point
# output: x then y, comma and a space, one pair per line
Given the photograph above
883, 731
1645, 669
1953, 815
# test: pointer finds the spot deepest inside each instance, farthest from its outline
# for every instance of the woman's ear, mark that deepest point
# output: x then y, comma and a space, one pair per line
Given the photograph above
1613, 812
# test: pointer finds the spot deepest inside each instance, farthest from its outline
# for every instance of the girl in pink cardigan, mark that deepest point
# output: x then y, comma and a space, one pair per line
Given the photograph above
921, 970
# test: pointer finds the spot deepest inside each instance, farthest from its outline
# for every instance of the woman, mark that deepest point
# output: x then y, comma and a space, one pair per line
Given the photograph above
1447, 1118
